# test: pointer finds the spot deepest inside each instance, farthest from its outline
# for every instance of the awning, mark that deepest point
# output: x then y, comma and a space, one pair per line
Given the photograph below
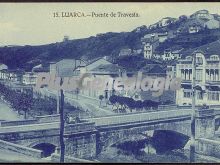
186, 86
213, 88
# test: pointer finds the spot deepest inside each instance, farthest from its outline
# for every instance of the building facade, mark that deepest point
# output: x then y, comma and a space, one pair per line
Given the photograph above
207, 80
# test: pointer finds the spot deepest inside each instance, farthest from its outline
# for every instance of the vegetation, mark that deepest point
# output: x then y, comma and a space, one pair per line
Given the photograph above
26, 104
123, 104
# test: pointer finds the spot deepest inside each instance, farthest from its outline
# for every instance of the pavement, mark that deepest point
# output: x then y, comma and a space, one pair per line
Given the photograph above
7, 113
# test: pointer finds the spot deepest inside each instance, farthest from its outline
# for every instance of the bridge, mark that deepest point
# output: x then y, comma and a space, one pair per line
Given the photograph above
90, 137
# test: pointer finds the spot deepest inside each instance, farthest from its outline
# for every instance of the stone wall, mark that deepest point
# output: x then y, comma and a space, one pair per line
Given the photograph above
20, 149
208, 147
81, 145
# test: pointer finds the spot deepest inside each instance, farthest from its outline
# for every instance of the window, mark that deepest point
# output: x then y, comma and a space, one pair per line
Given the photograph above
213, 95
187, 94
199, 60
199, 75
214, 57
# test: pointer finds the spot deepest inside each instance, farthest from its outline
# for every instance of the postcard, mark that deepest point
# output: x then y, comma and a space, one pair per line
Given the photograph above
110, 82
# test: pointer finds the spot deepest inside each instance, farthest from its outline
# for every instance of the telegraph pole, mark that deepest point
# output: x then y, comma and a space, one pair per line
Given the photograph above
61, 112
192, 145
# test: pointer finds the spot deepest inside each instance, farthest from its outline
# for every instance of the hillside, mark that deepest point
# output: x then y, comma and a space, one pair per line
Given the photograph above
108, 44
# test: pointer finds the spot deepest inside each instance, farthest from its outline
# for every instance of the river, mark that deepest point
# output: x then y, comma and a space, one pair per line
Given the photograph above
144, 150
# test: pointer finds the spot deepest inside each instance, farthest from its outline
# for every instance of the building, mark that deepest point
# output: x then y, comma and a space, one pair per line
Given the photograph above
125, 52
12, 75
195, 28
89, 66
3, 66
171, 71
212, 24
171, 54
202, 14
166, 21
66, 67
29, 78
163, 22
103, 71
207, 77
149, 45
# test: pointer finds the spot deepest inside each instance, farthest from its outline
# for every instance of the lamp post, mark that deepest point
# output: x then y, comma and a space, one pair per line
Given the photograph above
192, 145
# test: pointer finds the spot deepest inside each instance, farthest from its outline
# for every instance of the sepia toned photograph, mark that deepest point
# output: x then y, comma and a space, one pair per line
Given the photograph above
101, 82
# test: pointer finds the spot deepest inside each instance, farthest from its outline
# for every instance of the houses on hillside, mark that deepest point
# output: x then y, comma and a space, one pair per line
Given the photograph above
163, 22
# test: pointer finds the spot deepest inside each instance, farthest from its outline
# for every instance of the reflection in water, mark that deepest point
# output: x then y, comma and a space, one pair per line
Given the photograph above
159, 148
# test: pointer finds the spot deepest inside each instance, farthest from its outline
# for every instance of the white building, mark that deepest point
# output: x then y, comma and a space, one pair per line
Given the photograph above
29, 78
66, 67
125, 52
3, 67
171, 55
150, 45
207, 79
202, 14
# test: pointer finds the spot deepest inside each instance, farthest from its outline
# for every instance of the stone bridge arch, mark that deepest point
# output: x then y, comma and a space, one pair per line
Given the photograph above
109, 136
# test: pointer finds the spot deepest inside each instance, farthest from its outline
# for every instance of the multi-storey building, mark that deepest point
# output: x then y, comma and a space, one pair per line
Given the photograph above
207, 79
150, 45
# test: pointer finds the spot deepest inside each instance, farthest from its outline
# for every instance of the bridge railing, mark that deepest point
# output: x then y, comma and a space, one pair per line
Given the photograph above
139, 117
18, 122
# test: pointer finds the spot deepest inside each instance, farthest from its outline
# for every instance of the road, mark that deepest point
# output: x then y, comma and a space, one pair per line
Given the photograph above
7, 113
88, 103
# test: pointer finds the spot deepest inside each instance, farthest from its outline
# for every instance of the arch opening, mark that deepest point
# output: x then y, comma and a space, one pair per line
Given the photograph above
46, 148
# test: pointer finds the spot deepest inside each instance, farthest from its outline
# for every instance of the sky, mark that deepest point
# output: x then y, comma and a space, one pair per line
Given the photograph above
34, 24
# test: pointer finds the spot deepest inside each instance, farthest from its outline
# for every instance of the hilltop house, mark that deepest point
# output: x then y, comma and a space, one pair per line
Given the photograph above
163, 22
198, 22
202, 14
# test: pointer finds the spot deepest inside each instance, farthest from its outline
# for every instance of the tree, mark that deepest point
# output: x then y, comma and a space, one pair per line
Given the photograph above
101, 97
113, 100
130, 103
139, 104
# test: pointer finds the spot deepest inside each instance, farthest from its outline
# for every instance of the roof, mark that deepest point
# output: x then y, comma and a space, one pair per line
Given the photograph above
212, 48
153, 69
107, 68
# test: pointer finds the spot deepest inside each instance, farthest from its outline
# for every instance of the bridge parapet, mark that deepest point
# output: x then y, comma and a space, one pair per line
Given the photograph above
139, 117
18, 122
79, 127
48, 118
37, 120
